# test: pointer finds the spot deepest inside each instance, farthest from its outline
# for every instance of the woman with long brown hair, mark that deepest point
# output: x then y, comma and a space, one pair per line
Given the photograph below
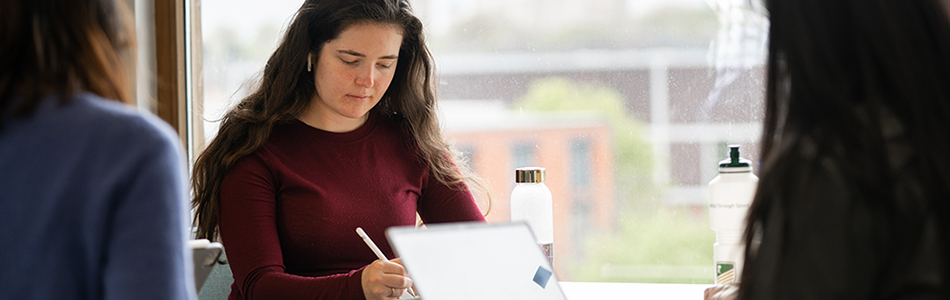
341, 133
93, 196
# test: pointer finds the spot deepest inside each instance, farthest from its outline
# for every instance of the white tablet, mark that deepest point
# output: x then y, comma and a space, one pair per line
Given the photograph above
460, 261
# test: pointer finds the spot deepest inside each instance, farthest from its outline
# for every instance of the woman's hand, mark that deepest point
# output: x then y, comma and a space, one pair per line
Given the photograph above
385, 280
721, 292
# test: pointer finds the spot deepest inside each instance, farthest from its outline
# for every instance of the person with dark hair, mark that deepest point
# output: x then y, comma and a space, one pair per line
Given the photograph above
341, 133
93, 195
854, 196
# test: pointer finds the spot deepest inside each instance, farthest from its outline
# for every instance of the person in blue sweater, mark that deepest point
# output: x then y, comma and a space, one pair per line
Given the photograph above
92, 193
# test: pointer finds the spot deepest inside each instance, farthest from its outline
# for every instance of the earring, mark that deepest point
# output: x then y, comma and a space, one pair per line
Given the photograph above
310, 62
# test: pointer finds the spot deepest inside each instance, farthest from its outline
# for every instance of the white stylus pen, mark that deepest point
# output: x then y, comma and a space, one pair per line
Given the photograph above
379, 254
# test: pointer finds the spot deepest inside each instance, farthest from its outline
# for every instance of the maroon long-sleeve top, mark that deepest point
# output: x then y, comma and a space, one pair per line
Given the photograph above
289, 211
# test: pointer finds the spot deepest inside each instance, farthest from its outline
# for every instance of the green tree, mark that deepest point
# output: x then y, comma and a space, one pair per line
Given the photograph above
633, 158
651, 242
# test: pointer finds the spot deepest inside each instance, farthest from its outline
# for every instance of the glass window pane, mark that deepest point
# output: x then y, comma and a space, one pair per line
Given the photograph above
628, 104
237, 38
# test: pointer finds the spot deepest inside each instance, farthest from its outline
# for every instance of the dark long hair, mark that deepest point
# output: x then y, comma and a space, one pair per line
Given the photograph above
61, 47
286, 89
828, 61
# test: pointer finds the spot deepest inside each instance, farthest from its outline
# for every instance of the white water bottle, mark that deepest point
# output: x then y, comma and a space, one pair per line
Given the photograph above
730, 195
531, 202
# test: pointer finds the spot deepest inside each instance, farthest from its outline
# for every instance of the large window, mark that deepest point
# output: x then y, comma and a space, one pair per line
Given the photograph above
628, 104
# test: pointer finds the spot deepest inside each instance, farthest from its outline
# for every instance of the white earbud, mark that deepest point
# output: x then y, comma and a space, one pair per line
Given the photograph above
310, 62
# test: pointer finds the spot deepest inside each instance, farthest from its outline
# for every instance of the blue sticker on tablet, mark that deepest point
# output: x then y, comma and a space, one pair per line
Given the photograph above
542, 276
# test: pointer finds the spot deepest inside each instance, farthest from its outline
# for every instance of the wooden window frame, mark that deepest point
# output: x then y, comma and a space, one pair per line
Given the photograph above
170, 63
178, 70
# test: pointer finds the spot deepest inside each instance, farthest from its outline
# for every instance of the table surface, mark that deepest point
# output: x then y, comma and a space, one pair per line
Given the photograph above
639, 291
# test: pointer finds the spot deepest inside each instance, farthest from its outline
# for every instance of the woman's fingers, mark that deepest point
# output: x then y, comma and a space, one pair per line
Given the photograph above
394, 267
396, 281
398, 292
395, 274
410, 283
384, 280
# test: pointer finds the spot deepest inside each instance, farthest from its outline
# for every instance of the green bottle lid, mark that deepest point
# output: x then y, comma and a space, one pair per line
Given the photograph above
734, 163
